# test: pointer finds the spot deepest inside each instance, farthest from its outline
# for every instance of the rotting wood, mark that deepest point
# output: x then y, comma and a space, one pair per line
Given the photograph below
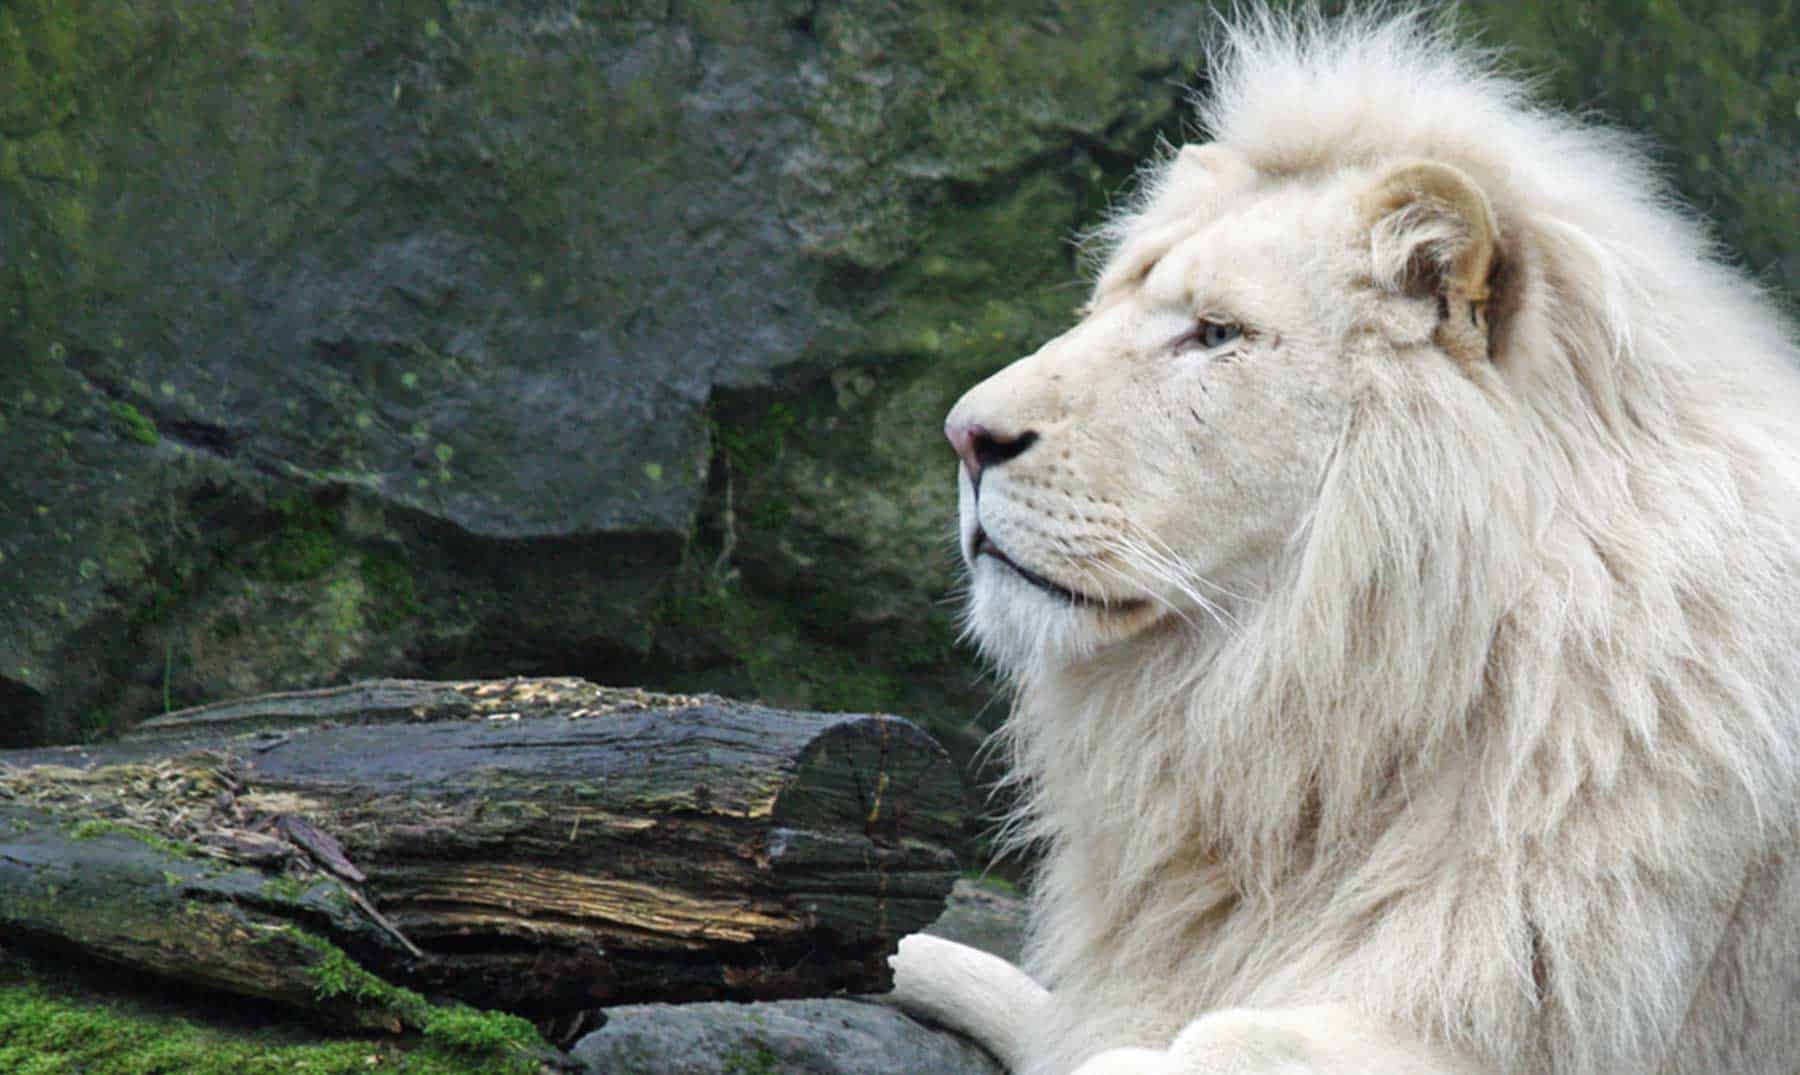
543, 846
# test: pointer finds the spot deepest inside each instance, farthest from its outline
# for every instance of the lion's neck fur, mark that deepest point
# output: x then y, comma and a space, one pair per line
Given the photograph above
1532, 652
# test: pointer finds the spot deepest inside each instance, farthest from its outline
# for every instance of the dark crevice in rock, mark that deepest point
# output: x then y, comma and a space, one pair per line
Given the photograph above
21, 710
193, 434
201, 436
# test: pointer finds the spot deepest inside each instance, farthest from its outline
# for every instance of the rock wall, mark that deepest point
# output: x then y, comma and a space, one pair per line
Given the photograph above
611, 338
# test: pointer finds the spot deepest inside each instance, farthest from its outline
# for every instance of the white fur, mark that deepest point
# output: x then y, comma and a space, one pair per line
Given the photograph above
1443, 715
988, 998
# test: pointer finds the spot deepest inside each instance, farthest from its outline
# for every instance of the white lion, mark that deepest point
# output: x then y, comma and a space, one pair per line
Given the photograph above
1398, 568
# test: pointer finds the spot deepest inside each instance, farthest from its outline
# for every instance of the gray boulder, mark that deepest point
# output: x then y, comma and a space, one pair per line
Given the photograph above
840, 1036
989, 915
826, 1036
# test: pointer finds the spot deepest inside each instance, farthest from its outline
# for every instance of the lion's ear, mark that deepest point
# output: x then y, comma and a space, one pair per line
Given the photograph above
1432, 233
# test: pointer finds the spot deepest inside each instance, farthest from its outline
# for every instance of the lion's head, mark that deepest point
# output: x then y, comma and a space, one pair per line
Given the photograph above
1155, 462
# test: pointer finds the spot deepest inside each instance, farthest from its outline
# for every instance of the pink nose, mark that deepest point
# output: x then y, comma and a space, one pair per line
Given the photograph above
963, 437
980, 448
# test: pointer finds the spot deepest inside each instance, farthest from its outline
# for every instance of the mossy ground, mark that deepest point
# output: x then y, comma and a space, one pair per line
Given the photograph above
50, 1028
504, 1042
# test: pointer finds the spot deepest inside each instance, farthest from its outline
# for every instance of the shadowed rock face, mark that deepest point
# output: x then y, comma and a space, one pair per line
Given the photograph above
598, 338
346, 340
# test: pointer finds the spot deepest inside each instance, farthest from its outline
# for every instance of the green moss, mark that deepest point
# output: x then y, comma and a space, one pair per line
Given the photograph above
1105, 70
337, 976
861, 688
30, 48
341, 611
392, 595
305, 544
46, 1029
504, 1041
1011, 250
1707, 81
757, 444
751, 448
760, 1062
161, 602
715, 616
475, 1033
301, 553
93, 725
308, 542
131, 423
289, 889
55, 58
780, 655
94, 828
994, 882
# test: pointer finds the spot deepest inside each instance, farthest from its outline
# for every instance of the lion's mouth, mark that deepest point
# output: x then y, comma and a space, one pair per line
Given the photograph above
984, 546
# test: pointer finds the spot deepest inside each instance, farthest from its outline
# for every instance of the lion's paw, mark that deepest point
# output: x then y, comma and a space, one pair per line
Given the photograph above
925, 971
968, 990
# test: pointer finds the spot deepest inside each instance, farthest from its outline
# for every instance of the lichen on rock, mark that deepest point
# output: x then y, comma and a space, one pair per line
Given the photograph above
609, 339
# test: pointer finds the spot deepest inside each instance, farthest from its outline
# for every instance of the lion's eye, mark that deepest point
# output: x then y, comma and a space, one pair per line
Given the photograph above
1210, 334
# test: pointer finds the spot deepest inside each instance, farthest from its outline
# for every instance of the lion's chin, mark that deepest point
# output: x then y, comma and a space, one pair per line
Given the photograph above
1023, 625
982, 547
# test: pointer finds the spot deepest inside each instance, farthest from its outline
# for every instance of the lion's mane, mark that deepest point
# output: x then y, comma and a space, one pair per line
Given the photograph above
1581, 597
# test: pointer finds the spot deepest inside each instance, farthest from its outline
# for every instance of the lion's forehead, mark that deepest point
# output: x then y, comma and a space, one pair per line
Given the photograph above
1279, 241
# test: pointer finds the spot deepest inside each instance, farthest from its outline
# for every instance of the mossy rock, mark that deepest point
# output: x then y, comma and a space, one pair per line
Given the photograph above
465, 339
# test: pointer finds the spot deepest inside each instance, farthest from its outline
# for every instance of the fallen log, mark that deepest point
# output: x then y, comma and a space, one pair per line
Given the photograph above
542, 846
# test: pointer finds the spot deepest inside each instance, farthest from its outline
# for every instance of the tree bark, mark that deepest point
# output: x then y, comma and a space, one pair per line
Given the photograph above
543, 846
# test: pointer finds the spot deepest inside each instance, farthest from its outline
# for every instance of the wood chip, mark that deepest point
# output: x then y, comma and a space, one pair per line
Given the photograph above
321, 845
381, 920
248, 847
